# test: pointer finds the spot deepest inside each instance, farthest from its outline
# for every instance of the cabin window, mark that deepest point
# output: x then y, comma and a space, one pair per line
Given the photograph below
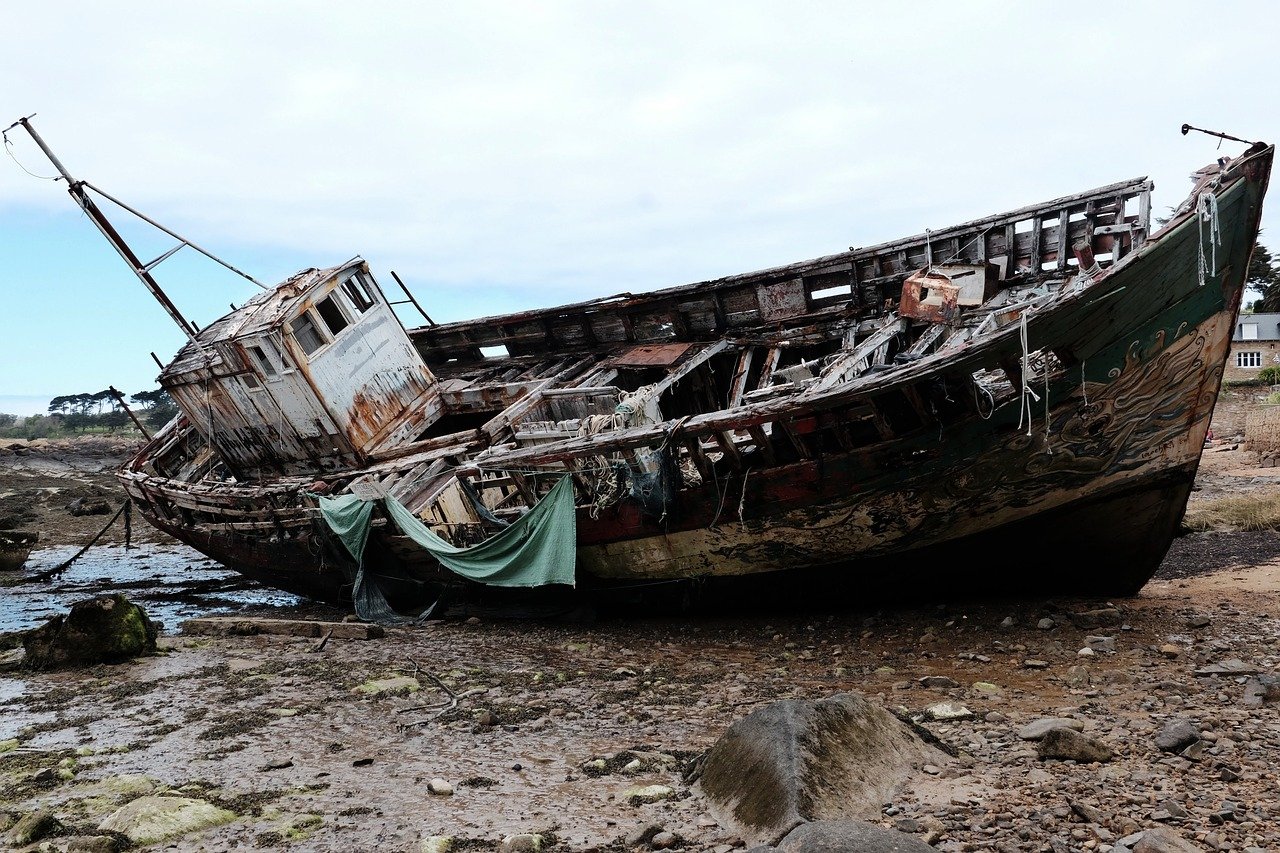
332, 315
251, 382
1248, 359
358, 290
264, 363
1248, 331
306, 333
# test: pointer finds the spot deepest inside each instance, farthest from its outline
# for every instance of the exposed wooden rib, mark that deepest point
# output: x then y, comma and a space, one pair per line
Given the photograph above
847, 363
738, 386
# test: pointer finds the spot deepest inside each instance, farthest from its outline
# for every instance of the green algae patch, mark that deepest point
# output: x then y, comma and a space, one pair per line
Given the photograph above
147, 820
8, 745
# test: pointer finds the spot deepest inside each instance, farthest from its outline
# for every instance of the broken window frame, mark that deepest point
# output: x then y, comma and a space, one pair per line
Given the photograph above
332, 313
359, 292
304, 328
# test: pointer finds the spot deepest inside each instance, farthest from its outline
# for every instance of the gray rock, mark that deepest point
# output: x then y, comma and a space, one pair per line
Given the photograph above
664, 841
32, 827
792, 761
1262, 690
1036, 729
1176, 735
1100, 643
1070, 745
525, 842
1164, 840
88, 506
1046, 624
938, 682
643, 834
844, 836
147, 820
106, 629
1100, 618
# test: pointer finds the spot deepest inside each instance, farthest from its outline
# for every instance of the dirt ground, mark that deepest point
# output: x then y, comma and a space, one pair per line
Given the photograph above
550, 728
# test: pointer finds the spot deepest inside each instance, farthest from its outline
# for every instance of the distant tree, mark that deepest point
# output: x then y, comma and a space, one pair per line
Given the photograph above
7, 420
77, 421
62, 404
114, 419
105, 398
160, 408
1264, 277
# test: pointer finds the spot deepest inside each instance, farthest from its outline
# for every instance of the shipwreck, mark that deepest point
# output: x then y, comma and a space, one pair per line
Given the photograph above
1019, 401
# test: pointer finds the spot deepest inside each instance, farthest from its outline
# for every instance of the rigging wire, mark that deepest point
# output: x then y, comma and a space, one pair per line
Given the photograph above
8, 149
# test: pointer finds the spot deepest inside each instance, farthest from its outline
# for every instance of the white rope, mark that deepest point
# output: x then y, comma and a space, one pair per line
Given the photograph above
1046, 408
1028, 395
1084, 389
1207, 211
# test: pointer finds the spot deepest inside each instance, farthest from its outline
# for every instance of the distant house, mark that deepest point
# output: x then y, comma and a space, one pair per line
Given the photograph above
1255, 344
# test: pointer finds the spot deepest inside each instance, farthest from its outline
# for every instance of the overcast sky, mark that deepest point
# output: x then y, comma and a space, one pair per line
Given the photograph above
501, 156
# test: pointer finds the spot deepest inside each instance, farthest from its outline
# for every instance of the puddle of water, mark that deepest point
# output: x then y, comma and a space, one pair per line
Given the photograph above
171, 582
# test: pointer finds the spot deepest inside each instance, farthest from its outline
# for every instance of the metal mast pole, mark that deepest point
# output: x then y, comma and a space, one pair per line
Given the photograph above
76, 188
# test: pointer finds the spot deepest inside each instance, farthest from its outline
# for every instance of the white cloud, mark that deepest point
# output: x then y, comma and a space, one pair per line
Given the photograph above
506, 154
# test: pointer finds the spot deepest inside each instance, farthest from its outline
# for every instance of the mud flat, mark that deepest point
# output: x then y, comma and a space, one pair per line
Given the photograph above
552, 729
482, 730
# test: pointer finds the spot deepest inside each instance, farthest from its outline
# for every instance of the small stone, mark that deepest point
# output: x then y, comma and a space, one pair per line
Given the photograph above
473, 620
664, 841
1086, 652
643, 834
1099, 643
1176, 735
440, 788
947, 711
940, 682
1037, 729
1198, 620
486, 719
987, 688
525, 842
1171, 651
1070, 745
1007, 622
647, 794
1161, 839
436, 844
1035, 663
1046, 624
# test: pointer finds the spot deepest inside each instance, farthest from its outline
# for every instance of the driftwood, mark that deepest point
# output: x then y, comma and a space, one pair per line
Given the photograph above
240, 626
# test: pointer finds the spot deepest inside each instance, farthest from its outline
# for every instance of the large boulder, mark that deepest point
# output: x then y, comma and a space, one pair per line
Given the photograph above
147, 820
795, 761
844, 836
106, 629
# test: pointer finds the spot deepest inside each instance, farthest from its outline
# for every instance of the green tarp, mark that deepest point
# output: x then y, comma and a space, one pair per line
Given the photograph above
537, 549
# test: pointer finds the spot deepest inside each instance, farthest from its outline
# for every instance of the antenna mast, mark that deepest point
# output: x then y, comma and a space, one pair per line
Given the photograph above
141, 270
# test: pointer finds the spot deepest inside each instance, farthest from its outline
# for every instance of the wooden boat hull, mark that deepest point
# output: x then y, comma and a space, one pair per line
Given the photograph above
1077, 486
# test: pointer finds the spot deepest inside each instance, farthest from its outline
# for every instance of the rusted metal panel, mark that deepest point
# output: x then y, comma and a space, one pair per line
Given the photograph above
937, 295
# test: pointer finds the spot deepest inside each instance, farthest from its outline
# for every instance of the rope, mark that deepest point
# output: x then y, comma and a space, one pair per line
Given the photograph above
62, 567
977, 404
1046, 409
1024, 405
1207, 211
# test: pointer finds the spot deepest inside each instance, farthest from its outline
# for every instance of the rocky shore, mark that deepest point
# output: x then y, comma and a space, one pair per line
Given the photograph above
1145, 724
